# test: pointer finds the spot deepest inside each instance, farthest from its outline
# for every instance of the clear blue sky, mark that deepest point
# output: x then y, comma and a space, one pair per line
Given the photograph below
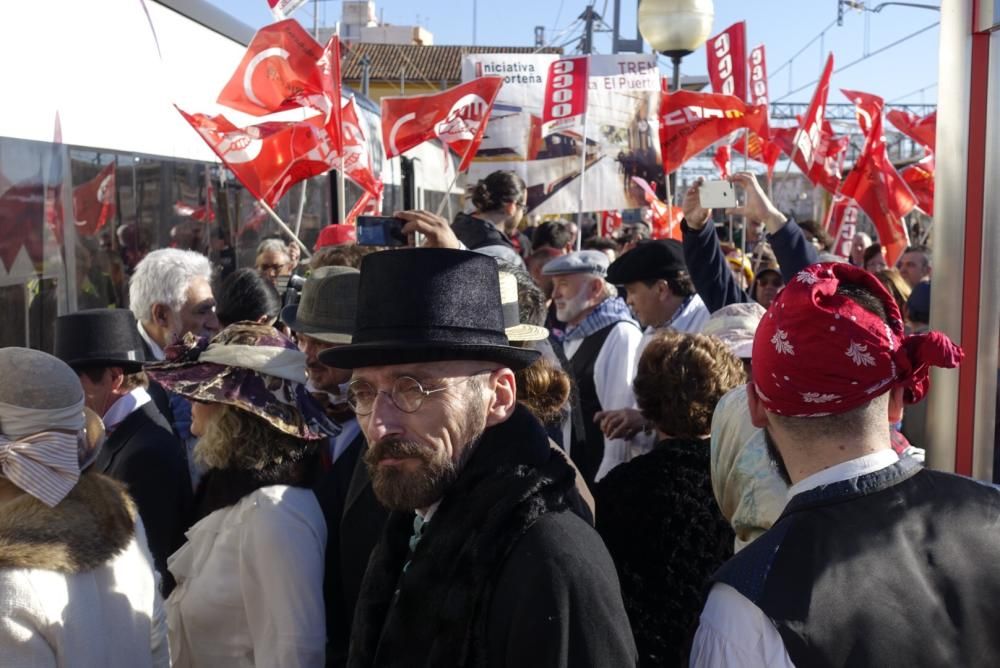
784, 26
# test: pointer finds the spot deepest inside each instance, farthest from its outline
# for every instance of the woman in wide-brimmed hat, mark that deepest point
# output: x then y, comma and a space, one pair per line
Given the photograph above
250, 578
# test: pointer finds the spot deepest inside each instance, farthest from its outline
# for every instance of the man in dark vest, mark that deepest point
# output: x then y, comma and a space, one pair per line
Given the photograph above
322, 320
600, 347
103, 346
875, 561
482, 561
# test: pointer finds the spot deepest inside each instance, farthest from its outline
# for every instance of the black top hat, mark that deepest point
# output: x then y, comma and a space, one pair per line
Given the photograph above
428, 305
649, 261
328, 306
100, 337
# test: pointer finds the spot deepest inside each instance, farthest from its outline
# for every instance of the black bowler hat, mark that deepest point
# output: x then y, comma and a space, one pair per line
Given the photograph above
649, 261
428, 305
100, 337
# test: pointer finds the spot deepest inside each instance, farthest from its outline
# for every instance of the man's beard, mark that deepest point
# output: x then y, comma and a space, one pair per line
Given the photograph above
407, 490
779, 463
574, 306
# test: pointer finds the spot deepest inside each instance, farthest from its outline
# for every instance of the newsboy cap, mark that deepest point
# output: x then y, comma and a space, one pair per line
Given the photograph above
648, 261
580, 262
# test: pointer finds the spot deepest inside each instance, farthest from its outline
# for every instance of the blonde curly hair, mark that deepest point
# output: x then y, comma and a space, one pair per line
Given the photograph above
681, 378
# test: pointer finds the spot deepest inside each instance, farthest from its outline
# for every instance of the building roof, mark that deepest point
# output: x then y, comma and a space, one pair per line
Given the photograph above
435, 63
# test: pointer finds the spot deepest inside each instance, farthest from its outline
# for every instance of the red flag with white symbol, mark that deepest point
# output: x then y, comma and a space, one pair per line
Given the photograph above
456, 116
875, 184
611, 222
722, 158
828, 155
665, 220
808, 139
269, 158
920, 179
727, 58
761, 150
94, 202
921, 130
758, 76
357, 157
690, 122
842, 224
565, 101
282, 9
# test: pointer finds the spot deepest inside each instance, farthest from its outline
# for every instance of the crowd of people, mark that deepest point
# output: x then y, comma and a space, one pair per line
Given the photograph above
495, 450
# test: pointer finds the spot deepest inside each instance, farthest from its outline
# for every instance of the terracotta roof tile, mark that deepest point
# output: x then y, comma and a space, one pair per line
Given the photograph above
434, 63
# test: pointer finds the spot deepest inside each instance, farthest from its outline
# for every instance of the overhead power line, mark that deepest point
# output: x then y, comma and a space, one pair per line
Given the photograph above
863, 58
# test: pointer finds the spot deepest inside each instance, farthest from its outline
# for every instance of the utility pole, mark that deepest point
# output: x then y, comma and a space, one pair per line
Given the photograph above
622, 44
475, 22
589, 16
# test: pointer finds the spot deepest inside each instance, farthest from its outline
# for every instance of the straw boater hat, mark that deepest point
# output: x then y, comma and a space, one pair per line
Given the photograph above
428, 305
252, 367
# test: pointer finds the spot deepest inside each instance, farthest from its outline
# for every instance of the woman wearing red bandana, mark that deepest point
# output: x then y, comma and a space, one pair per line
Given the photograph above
875, 561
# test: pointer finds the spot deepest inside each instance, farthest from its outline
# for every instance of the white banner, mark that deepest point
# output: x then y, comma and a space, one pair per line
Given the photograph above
622, 132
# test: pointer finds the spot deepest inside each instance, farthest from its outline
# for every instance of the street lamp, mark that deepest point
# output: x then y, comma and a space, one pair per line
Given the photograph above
675, 28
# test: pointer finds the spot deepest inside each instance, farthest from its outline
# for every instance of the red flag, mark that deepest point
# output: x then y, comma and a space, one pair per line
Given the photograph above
690, 121
666, 220
284, 8
758, 76
94, 202
268, 158
828, 155
920, 179
727, 57
760, 150
456, 116
611, 222
842, 224
357, 158
808, 138
22, 213
254, 222
874, 183
722, 159
921, 130
565, 101
281, 70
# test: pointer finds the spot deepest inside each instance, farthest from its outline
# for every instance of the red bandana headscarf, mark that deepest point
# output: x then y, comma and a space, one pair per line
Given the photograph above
818, 353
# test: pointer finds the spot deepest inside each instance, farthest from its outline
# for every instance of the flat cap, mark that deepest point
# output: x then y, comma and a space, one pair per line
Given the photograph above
580, 262
649, 260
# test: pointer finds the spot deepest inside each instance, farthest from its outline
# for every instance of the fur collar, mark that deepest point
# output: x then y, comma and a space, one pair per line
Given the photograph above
95, 522
435, 613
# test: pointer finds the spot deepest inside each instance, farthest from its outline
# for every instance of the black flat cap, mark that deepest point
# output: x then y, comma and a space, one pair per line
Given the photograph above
648, 261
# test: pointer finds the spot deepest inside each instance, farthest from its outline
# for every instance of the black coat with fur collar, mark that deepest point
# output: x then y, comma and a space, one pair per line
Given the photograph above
504, 575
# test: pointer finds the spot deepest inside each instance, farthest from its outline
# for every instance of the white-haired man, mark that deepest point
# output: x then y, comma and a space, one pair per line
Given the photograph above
170, 294
600, 348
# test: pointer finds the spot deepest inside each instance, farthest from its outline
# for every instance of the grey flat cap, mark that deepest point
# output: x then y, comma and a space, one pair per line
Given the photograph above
580, 262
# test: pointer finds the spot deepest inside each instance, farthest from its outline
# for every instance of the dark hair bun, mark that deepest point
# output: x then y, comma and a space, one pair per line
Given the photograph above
481, 197
498, 188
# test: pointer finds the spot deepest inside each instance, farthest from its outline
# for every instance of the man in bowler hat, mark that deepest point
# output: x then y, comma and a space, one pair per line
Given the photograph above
104, 348
481, 561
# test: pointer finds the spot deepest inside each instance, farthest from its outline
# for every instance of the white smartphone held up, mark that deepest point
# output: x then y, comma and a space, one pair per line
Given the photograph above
717, 195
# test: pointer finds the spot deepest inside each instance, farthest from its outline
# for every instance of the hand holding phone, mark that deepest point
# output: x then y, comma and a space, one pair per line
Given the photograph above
717, 195
380, 231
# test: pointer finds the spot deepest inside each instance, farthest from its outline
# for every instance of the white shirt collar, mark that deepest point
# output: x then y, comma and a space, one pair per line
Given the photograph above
854, 468
157, 351
430, 511
125, 406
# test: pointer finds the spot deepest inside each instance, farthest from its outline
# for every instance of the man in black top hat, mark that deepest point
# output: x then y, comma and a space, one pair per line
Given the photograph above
103, 346
481, 561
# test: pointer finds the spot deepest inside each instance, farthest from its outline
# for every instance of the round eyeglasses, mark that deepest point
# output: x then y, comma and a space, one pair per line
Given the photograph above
407, 394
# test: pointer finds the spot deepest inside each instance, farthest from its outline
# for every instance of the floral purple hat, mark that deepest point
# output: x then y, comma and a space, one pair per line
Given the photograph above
250, 366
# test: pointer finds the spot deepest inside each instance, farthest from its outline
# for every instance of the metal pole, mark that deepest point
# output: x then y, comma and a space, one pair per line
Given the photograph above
366, 66
402, 80
302, 207
673, 180
475, 7
316, 19
286, 228
583, 170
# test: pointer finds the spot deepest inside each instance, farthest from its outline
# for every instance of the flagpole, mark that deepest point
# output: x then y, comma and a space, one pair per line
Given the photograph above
746, 149
286, 228
302, 207
447, 194
583, 170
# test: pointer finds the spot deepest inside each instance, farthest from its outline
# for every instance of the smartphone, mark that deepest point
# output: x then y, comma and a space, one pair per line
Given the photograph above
717, 195
381, 231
